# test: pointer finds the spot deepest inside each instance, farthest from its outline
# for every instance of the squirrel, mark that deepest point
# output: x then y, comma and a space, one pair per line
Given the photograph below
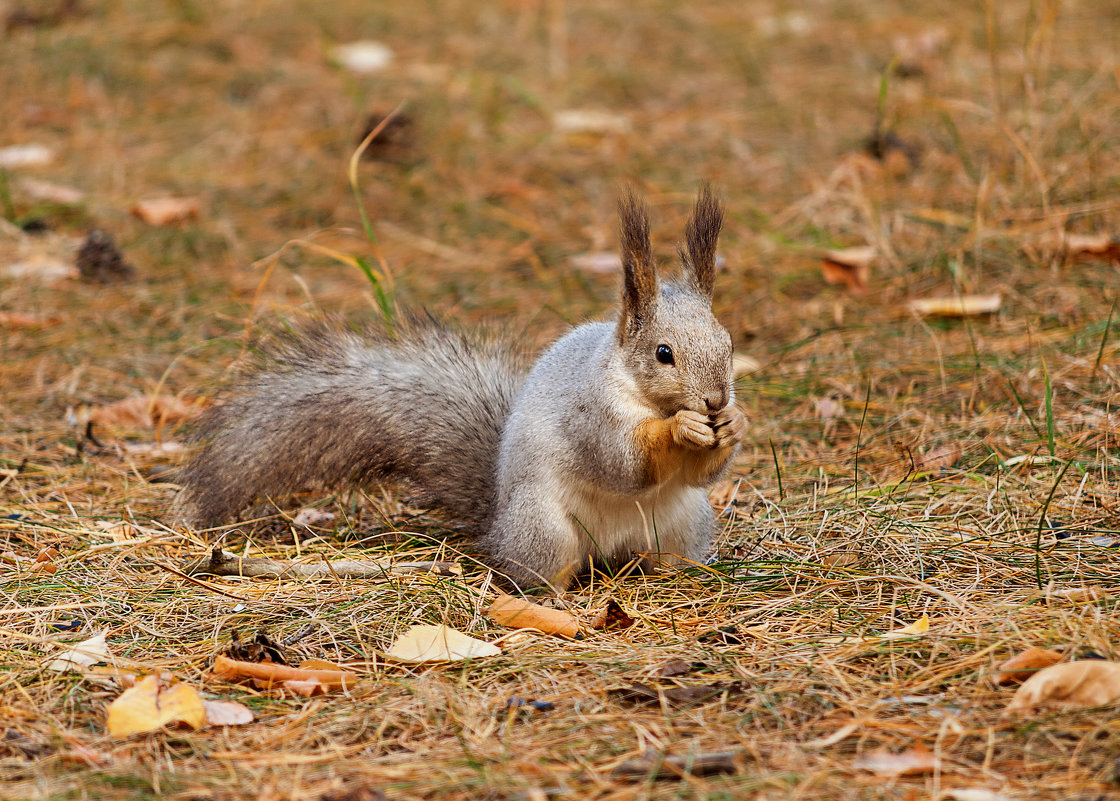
604, 448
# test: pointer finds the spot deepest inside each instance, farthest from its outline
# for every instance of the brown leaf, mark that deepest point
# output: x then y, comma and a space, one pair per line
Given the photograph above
912, 762
612, 617
653, 765
1023, 665
957, 306
521, 614
167, 210
850, 267
675, 667
643, 694
1072, 685
149, 706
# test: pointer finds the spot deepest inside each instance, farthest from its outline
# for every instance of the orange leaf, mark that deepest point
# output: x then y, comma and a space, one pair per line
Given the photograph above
1023, 665
850, 267
144, 411
521, 614
269, 673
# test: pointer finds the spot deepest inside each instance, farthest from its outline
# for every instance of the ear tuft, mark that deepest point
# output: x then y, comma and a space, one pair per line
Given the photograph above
701, 237
639, 283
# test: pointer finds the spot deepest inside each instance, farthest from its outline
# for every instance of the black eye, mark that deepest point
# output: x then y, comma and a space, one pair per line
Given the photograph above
665, 354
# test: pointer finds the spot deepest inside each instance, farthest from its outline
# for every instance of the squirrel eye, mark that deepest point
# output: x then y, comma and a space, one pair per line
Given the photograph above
665, 354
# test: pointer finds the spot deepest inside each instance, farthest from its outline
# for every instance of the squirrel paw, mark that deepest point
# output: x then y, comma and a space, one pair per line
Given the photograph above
727, 425
692, 429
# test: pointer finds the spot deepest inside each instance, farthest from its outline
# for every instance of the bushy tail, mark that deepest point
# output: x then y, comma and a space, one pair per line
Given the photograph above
330, 406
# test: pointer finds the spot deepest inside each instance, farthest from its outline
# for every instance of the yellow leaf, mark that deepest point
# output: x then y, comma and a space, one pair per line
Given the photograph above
438, 644
918, 627
147, 707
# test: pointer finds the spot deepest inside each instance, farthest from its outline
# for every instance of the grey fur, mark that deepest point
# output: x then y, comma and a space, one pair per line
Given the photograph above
550, 469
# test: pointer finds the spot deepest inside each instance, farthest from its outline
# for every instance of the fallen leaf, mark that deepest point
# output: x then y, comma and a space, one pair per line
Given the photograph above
850, 267
1080, 684
363, 56
845, 731
918, 627
84, 654
957, 306
655, 765
44, 561
975, 794
1023, 665
938, 458
269, 674
1078, 595
829, 409
148, 706
51, 193
840, 559
438, 644
226, 713
521, 614
915, 629
610, 617
167, 210
43, 267
675, 667
1103, 247
15, 156
642, 694
912, 762
590, 121
144, 411
603, 261
18, 320
305, 688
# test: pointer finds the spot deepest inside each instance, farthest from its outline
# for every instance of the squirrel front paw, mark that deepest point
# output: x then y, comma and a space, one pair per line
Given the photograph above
727, 425
692, 429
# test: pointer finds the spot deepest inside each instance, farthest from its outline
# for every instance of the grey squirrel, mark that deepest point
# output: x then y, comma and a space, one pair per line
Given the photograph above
604, 448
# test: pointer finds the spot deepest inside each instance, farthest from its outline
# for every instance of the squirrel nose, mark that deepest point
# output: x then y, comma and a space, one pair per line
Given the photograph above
716, 400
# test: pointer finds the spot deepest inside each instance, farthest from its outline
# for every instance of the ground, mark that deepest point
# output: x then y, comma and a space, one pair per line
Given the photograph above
897, 464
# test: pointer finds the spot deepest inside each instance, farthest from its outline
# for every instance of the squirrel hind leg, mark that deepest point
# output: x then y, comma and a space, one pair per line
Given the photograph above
532, 545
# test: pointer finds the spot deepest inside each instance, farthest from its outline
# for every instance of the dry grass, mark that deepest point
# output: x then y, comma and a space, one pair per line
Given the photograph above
836, 528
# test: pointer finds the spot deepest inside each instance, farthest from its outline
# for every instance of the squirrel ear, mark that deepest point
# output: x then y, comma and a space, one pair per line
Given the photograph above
701, 235
639, 285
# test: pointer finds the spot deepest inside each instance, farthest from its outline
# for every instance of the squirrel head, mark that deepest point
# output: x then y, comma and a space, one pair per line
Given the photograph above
676, 350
